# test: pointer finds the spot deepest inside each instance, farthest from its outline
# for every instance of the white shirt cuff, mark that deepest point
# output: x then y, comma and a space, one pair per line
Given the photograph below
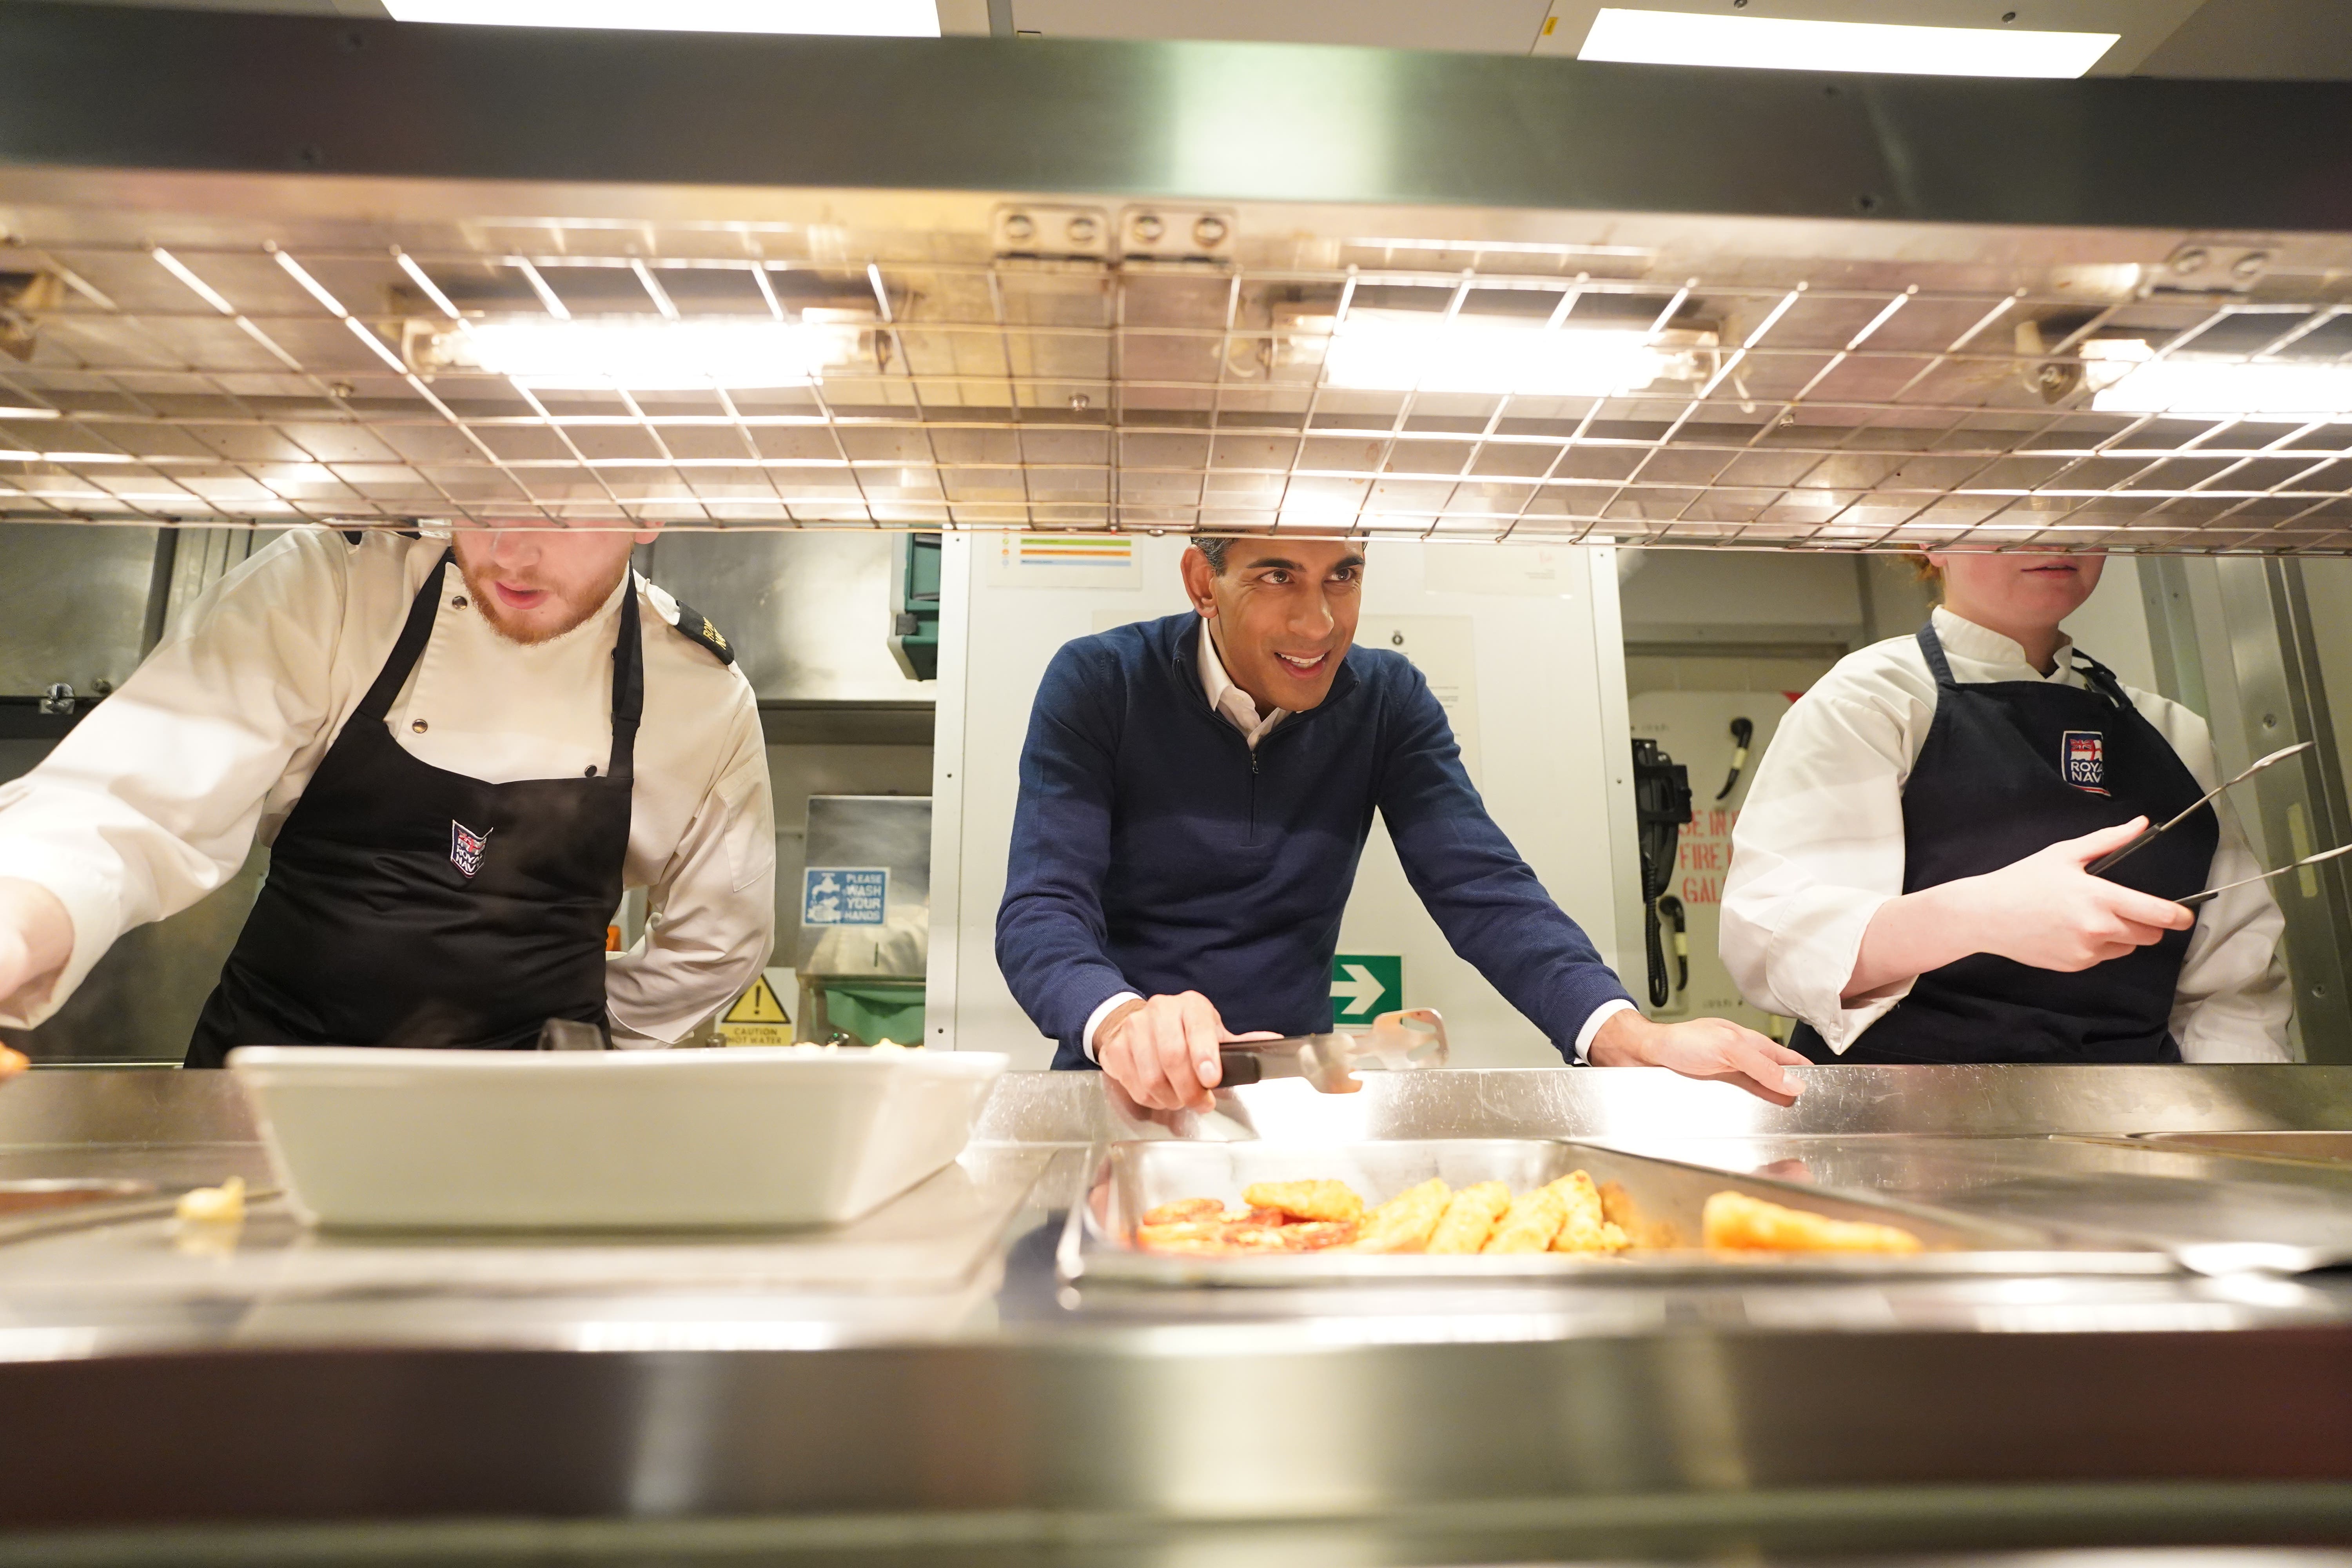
1598, 1017
90, 903
1095, 1020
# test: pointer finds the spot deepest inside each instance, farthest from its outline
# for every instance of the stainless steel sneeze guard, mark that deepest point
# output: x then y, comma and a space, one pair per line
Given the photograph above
1097, 286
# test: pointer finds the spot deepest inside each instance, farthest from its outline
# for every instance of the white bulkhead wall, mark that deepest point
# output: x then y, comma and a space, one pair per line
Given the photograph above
1522, 641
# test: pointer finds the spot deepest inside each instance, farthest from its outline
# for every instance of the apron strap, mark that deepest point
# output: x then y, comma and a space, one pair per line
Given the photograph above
1933, 646
2103, 679
413, 635
628, 686
628, 666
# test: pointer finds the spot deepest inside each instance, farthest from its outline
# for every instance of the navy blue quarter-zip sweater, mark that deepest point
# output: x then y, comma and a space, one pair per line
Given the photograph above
1154, 852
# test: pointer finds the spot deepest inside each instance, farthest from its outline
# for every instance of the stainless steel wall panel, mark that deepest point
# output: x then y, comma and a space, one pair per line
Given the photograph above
74, 606
815, 768
808, 614
892, 833
2281, 700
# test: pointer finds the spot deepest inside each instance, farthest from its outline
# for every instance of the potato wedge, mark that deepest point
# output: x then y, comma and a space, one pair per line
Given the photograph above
1584, 1227
1532, 1220
1735, 1222
1470, 1218
1332, 1202
1403, 1224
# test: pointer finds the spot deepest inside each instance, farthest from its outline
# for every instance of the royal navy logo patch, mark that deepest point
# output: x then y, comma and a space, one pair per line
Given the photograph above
2083, 760
465, 848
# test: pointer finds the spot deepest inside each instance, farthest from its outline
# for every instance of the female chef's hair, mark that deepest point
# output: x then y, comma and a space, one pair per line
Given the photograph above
1925, 570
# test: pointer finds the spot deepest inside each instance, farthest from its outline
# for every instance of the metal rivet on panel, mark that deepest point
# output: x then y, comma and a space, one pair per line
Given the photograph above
2189, 261
2249, 267
1081, 230
1019, 227
1148, 227
1208, 230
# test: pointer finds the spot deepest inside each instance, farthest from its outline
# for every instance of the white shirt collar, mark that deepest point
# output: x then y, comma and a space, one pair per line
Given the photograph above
1977, 654
1237, 707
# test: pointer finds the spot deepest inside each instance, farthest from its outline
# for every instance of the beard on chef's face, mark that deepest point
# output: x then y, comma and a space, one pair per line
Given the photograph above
534, 583
1283, 613
2022, 591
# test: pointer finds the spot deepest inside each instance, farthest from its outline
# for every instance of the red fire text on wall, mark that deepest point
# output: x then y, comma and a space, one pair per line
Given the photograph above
1703, 857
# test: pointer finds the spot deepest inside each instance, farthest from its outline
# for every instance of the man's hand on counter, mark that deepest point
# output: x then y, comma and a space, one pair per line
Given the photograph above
36, 939
1163, 1050
1703, 1048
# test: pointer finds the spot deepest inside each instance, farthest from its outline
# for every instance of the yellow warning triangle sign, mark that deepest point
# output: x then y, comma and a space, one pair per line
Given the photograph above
757, 1006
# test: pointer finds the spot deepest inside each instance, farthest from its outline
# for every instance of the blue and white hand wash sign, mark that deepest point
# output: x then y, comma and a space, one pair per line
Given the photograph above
844, 895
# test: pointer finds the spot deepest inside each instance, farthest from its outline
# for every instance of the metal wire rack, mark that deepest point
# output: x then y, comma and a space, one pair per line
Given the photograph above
234, 380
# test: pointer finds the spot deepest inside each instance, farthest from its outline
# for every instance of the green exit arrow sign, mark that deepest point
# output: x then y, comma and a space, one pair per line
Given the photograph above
1365, 984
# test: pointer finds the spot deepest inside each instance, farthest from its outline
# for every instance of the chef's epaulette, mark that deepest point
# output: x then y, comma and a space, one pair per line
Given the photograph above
694, 626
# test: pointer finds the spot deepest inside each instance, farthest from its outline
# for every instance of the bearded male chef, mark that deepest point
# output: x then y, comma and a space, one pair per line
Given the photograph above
1195, 794
460, 751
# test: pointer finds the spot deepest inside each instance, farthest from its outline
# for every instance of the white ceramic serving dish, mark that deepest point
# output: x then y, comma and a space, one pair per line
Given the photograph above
607, 1139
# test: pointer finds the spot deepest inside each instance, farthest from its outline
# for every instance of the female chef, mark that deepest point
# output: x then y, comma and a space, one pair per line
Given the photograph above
459, 750
1909, 875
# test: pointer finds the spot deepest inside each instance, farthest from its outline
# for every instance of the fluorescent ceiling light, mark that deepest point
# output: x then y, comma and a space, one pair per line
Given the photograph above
649, 355
1409, 350
2128, 381
1686, 38
873, 18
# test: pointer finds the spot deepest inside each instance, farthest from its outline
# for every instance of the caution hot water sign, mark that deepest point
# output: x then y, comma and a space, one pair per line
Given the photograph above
758, 1018
1364, 985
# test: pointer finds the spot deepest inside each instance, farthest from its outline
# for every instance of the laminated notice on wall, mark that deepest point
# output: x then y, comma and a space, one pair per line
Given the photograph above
1060, 561
845, 896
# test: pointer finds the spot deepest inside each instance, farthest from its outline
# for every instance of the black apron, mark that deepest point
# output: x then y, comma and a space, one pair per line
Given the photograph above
2010, 768
407, 906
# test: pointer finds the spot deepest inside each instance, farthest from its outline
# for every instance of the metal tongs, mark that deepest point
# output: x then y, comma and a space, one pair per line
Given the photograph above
2100, 866
1413, 1038
2193, 900
2106, 862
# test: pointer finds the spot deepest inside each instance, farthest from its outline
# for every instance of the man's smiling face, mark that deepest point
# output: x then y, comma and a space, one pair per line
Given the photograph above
1283, 612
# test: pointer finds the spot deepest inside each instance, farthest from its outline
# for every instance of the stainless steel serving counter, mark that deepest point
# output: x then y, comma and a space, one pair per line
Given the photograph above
921, 1384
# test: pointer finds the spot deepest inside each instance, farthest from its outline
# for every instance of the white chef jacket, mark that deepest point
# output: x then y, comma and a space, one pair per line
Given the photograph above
153, 799
1817, 847
1239, 709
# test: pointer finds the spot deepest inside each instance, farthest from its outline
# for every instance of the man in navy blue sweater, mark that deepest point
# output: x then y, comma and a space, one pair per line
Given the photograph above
1195, 793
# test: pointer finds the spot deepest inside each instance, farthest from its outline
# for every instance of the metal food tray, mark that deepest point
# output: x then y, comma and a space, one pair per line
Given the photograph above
1664, 1196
